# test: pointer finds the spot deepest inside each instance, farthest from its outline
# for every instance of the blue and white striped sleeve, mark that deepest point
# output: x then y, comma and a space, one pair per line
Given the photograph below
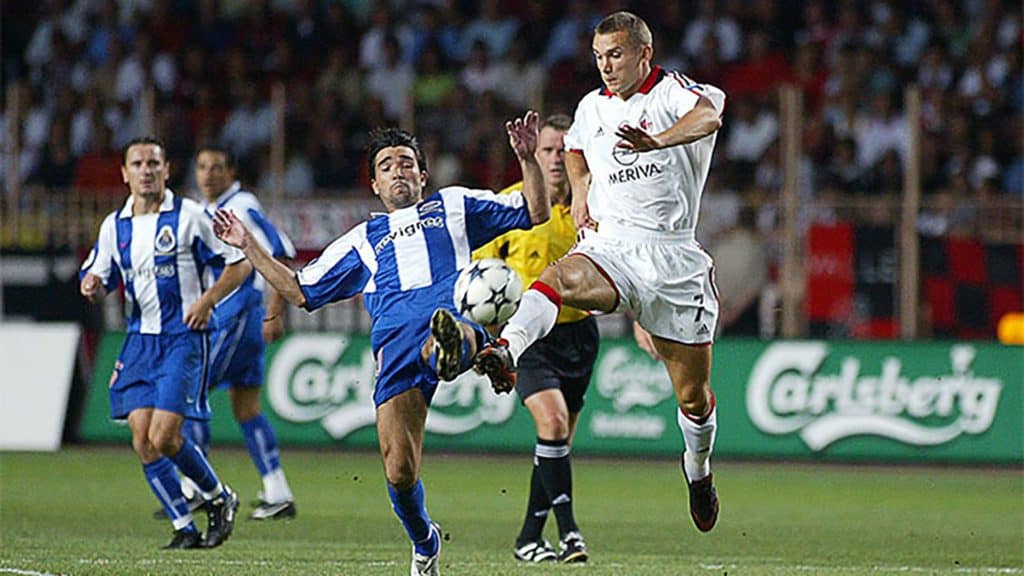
269, 236
100, 261
489, 215
338, 273
208, 247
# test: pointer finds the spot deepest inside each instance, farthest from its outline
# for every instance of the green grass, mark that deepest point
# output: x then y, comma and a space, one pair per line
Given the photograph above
87, 511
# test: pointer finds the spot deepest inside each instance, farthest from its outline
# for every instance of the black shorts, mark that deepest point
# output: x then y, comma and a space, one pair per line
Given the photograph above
563, 359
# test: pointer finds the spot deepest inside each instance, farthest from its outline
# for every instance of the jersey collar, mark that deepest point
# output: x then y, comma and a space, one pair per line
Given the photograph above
235, 188
656, 74
166, 205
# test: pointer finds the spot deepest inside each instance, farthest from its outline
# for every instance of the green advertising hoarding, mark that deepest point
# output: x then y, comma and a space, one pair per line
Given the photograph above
849, 401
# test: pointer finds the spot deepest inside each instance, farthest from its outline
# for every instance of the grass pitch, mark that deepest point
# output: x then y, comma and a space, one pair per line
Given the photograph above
87, 511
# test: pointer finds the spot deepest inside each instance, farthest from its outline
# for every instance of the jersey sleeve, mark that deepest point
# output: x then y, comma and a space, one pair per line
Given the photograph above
498, 247
683, 95
208, 248
489, 215
275, 242
338, 273
573, 139
100, 261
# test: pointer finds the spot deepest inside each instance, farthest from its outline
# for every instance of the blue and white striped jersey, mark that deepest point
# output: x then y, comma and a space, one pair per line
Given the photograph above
248, 209
405, 262
160, 258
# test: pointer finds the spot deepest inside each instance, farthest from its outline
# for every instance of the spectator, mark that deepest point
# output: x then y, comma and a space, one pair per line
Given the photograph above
248, 124
390, 81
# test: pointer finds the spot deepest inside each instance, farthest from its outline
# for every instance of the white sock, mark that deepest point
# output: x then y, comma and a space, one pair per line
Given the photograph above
275, 487
700, 440
532, 321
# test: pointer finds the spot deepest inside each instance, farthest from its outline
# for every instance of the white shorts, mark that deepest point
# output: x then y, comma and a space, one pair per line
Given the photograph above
667, 280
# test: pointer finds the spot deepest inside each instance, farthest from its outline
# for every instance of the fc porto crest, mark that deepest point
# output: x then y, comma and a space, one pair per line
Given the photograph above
166, 241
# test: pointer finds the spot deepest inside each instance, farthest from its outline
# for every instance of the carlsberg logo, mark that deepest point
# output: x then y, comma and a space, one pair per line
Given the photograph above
308, 382
788, 393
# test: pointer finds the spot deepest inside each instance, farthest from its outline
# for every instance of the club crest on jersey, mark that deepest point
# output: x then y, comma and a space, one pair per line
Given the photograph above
429, 206
165, 240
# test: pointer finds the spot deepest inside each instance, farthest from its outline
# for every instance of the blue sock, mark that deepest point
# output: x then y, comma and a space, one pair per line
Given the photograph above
410, 508
198, 431
163, 480
262, 444
192, 463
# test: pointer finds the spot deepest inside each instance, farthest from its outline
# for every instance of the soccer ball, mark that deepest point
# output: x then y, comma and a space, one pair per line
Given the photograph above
487, 291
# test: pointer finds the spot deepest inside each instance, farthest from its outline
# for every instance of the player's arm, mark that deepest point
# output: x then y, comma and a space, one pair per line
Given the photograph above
232, 231
702, 120
98, 267
273, 322
198, 314
92, 288
578, 172
522, 136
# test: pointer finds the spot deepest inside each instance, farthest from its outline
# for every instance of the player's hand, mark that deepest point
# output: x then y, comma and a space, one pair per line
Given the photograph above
273, 328
644, 341
198, 315
522, 135
581, 214
230, 229
636, 139
92, 287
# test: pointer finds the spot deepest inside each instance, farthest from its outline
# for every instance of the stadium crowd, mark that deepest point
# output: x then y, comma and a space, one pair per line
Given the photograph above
457, 69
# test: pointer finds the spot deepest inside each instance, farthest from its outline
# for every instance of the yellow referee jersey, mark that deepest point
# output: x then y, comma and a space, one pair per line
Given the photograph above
528, 252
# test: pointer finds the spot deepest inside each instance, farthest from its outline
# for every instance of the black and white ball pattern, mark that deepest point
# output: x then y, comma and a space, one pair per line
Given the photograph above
488, 291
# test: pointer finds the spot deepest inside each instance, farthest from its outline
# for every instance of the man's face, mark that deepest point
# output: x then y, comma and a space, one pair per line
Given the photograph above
551, 155
145, 171
621, 64
212, 174
398, 179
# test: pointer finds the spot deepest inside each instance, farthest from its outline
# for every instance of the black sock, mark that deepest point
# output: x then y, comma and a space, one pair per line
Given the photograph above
555, 467
536, 510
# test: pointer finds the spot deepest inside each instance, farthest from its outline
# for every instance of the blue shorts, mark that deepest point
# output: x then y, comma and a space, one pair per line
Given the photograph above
399, 364
164, 371
236, 350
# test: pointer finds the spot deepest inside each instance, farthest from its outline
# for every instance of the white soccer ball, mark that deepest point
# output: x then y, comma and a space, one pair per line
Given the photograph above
488, 291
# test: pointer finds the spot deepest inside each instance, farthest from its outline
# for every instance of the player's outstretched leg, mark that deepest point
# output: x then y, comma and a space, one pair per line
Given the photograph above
495, 362
454, 345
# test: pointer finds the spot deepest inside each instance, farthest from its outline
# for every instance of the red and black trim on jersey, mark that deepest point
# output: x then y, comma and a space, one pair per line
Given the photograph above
657, 73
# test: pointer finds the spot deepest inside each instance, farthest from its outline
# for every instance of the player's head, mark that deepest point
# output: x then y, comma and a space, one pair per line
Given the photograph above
398, 171
144, 167
215, 170
623, 48
551, 149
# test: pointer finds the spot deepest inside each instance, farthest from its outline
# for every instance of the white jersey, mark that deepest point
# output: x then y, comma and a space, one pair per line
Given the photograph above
658, 190
160, 259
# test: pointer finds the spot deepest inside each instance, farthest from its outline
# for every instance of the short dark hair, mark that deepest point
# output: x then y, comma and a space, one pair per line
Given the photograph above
557, 121
635, 27
141, 140
381, 138
216, 148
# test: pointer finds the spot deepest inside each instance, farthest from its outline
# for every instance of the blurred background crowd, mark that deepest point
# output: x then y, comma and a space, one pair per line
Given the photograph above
458, 69
454, 70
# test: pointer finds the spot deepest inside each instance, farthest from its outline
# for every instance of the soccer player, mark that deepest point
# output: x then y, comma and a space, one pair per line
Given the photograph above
404, 262
158, 246
555, 371
237, 344
639, 154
